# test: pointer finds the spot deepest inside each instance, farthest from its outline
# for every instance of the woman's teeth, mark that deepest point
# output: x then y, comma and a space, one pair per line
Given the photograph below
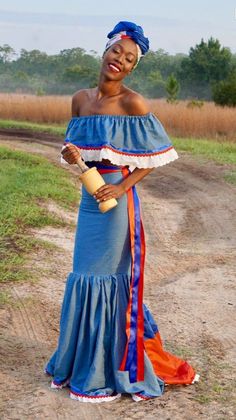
114, 68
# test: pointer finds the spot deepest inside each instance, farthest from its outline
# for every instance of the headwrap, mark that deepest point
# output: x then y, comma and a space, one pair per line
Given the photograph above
129, 30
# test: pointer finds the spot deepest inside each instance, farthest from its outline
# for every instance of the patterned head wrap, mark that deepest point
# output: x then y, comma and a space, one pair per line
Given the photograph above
129, 30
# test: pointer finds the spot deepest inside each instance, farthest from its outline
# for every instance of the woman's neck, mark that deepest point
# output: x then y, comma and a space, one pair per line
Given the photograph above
107, 88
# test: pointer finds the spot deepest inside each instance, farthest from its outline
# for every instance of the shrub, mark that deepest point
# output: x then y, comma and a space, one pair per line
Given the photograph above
194, 103
224, 92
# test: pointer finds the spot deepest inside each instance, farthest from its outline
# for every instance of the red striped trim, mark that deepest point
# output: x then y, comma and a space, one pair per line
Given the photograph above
143, 397
106, 171
123, 153
92, 396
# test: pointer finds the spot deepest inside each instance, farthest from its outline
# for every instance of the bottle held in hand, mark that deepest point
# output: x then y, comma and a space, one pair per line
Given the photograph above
90, 177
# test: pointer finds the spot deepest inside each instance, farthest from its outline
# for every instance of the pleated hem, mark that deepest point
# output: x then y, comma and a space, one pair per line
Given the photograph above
92, 342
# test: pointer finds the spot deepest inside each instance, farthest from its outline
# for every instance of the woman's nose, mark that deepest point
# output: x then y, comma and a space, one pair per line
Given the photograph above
120, 59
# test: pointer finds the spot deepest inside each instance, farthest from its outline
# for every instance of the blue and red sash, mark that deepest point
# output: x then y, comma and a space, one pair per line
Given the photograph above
133, 358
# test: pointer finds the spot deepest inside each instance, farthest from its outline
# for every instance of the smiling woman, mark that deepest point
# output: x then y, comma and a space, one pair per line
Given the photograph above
109, 343
119, 49
120, 58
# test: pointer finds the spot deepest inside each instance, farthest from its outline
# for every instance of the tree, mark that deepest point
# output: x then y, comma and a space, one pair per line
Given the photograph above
224, 92
72, 69
206, 64
172, 88
71, 56
6, 53
80, 74
208, 61
32, 62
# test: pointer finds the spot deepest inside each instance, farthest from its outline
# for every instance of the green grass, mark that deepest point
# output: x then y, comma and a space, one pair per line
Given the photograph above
224, 152
5, 298
45, 128
26, 182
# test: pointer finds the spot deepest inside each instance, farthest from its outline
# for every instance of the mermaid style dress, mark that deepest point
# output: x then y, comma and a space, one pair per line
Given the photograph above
109, 343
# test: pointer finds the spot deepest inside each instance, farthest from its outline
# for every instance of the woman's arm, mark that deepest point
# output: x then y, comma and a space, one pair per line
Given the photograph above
134, 177
116, 191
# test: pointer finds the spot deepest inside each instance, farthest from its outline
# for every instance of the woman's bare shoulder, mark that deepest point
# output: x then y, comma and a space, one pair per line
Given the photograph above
78, 98
134, 103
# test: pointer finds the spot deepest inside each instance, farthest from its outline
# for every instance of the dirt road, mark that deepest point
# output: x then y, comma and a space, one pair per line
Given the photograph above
190, 224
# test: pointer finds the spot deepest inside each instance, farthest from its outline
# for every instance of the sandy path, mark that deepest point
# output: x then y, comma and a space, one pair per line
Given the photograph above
190, 225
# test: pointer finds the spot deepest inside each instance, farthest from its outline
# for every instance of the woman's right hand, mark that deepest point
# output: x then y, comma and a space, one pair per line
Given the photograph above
70, 153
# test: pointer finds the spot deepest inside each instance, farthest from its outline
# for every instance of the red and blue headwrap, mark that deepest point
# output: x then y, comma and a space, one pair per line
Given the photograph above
129, 30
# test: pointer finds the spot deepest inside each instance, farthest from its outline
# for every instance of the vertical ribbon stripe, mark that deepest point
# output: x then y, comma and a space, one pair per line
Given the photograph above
133, 359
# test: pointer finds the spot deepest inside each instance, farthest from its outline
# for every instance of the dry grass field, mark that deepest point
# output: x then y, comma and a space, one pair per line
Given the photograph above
186, 120
183, 119
41, 109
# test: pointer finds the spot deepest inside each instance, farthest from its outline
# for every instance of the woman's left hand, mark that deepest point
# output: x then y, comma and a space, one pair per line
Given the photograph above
109, 191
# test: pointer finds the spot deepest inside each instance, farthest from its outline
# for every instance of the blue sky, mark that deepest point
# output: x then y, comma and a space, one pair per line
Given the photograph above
175, 26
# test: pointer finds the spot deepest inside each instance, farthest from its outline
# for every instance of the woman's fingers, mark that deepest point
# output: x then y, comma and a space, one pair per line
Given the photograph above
106, 197
70, 153
104, 190
71, 147
70, 159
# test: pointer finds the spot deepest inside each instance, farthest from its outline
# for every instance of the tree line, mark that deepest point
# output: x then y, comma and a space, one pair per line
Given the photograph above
208, 72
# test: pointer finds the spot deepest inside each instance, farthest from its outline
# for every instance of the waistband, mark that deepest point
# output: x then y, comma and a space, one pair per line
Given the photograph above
106, 168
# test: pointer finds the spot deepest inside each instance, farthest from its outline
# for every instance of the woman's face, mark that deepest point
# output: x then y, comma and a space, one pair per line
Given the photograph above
119, 59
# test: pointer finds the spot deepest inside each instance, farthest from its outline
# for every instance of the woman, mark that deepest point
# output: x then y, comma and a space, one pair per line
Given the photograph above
109, 343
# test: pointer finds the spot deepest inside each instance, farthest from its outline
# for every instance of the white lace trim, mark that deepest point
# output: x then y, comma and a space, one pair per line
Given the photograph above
151, 161
138, 398
94, 399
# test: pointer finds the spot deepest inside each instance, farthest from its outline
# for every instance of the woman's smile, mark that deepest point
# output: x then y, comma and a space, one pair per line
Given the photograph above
114, 68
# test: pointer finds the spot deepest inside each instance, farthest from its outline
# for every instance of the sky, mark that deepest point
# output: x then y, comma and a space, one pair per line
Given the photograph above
175, 26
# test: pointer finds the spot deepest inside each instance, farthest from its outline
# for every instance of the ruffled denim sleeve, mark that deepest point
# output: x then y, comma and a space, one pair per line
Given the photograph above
138, 141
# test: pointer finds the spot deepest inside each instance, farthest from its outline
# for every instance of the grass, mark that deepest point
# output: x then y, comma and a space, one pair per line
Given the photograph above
41, 109
224, 152
217, 383
27, 181
5, 298
208, 121
25, 125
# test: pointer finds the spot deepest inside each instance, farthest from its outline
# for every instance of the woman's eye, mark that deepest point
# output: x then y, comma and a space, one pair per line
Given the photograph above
129, 60
116, 51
